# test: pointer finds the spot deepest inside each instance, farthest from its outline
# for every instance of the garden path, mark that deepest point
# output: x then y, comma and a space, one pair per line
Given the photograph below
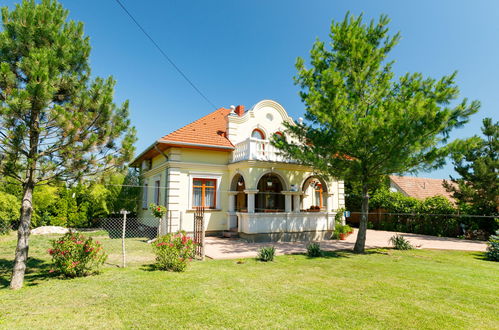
230, 248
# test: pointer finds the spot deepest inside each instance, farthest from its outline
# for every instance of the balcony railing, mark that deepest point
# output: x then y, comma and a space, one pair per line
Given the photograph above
256, 149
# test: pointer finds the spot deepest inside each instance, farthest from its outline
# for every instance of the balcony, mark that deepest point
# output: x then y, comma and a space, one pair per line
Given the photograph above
256, 149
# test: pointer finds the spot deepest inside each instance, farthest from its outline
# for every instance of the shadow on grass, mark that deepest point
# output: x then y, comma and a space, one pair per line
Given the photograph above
149, 268
37, 270
329, 255
480, 256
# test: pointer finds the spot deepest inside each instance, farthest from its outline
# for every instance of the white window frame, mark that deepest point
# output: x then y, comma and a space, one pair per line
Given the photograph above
204, 175
145, 191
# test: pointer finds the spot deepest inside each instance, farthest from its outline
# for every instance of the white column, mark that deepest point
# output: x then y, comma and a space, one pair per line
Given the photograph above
231, 215
297, 203
232, 200
251, 199
287, 200
329, 202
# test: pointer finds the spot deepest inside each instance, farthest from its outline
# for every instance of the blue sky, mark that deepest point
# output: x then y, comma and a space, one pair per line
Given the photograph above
240, 52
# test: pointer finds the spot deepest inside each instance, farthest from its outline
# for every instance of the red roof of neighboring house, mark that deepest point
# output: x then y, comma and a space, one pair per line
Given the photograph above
209, 130
421, 188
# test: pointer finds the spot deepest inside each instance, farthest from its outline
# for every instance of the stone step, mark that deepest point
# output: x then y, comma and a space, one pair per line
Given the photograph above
230, 234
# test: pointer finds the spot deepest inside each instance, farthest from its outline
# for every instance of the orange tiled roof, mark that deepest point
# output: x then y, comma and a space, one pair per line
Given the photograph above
209, 130
421, 188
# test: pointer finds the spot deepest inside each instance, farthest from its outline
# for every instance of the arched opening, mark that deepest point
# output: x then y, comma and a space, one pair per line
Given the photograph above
269, 197
315, 192
241, 199
258, 134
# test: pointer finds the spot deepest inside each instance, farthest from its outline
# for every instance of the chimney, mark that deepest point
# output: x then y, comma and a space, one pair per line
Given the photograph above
240, 110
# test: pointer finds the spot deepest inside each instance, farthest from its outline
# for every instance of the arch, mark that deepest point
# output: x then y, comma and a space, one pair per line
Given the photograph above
315, 193
241, 199
235, 183
273, 104
258, 134
270, 197
284, 183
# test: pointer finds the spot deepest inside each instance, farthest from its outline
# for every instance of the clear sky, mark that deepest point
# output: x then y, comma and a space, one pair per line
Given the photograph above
240, 52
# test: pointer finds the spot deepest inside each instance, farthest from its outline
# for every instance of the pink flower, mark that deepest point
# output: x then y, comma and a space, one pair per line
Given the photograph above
51, 271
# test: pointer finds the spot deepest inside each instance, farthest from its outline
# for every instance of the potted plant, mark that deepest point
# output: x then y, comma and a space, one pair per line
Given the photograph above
342, 231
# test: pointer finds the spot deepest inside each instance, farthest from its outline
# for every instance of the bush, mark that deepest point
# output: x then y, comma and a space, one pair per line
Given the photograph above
400, 243
75, 255
493, 247
9, 212
314, 250
174, 251
266, 253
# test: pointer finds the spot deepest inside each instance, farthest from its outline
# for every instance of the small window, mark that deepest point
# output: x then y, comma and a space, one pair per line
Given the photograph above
144, 196
278, 135
156, 192
204, 193
258, 134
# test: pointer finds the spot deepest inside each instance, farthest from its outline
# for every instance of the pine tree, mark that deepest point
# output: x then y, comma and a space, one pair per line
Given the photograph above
56, 123
477, 163
361, 122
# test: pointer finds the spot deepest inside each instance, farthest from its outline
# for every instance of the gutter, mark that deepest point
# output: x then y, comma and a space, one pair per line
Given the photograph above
188, 144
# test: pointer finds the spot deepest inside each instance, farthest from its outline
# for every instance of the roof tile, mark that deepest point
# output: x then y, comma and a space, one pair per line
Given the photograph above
208, 130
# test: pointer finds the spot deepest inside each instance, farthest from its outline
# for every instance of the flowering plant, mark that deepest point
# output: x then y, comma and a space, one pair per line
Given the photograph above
158, 211
174, 251
75, 255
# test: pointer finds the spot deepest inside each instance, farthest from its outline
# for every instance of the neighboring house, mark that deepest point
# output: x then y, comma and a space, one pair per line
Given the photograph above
420, 188
225, 163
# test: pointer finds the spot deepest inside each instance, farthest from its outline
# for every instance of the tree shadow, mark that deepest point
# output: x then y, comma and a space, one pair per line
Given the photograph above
37, 271
481, 256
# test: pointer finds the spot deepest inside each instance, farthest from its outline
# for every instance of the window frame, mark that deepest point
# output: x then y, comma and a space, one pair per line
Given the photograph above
203, 187
145, 192
157, 191
262, 134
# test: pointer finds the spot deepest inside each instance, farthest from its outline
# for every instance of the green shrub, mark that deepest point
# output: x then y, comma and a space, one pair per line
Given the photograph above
266, 253
493, 247
174, 251
400, 243
9, 212
314, 250
76, 255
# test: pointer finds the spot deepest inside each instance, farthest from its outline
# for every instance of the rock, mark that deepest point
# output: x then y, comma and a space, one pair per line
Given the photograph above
45, 230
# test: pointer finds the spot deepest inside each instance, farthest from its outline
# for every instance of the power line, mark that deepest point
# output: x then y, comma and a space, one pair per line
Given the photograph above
164, 54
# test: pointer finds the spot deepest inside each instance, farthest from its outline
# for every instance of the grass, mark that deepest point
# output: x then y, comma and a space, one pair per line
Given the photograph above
380, 289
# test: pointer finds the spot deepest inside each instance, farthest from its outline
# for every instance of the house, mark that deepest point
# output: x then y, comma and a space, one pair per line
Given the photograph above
420, 188
225, 163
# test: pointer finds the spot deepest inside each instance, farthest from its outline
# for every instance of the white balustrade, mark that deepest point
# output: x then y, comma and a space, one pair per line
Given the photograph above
256, 149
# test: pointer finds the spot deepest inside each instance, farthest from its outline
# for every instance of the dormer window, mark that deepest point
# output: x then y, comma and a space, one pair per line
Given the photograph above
258, 134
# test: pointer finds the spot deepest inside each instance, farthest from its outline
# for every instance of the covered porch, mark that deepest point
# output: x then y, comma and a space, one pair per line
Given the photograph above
275, 212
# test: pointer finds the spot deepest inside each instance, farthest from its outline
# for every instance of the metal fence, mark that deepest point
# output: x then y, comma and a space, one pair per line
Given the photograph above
127, 239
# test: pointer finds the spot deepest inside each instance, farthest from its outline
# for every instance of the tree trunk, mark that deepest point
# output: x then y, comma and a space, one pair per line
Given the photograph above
361, 235
22, 238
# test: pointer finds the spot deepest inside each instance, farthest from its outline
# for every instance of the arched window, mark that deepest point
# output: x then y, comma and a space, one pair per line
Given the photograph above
258, 134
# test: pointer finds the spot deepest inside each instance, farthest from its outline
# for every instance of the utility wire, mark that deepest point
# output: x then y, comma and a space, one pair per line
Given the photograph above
164, 54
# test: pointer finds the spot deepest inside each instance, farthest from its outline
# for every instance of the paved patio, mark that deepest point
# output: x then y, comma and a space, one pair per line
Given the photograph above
225, 248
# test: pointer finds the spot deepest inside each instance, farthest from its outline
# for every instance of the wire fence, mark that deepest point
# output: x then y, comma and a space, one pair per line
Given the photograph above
446, 225
127, 240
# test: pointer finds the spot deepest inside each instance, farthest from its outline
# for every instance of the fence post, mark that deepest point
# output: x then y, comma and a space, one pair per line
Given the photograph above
123, 235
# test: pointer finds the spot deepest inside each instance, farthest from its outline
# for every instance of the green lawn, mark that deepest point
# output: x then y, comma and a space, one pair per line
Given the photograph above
381, 289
